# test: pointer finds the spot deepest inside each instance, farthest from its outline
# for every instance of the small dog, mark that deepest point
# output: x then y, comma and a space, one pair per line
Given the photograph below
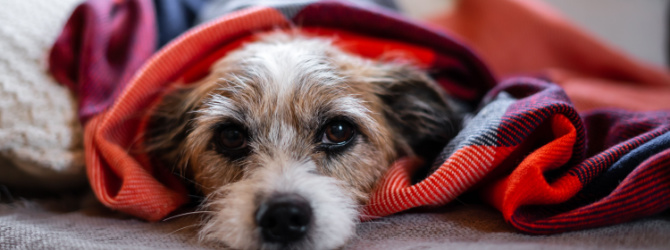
287, 137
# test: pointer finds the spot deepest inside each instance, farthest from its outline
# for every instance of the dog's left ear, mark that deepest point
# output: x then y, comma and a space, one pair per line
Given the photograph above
417, 108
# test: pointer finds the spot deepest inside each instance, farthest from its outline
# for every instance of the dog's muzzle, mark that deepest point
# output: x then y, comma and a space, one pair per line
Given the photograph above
284, 218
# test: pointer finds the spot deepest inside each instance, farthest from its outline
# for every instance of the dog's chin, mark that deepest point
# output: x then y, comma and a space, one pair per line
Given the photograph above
234, 220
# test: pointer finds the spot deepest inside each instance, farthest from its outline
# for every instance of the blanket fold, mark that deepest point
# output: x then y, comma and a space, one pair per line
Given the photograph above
545, 164
547, 169
100, 48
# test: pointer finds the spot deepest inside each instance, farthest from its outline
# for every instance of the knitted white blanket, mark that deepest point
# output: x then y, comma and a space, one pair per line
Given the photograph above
40, 136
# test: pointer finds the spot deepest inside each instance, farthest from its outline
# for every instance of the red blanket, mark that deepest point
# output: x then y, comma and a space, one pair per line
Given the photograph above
528, 151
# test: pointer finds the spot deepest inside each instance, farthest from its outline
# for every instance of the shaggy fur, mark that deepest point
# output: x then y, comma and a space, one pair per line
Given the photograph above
282, 93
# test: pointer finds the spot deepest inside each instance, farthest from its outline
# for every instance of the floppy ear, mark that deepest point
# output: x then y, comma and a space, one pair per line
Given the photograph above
169, 123
171, 119
417, 109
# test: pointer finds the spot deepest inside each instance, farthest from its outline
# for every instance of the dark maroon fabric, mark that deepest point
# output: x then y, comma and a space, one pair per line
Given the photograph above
461, 72
100, 48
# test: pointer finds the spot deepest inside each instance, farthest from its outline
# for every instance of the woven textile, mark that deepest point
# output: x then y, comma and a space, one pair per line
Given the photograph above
545, 167
457, 226
100, 48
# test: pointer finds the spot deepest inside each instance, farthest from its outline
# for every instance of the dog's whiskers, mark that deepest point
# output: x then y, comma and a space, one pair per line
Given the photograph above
182, 176
187, 213
182, 228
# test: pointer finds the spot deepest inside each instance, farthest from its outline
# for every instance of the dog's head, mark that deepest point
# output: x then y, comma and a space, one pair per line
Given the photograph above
287, 136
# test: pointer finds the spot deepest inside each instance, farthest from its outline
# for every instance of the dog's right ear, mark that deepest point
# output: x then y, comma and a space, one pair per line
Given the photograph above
169, 123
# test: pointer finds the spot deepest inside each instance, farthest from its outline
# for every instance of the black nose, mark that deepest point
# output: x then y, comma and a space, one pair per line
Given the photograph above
284, 218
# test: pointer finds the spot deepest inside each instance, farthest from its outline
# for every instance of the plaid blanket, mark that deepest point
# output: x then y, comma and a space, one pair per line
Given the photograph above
547, 168
526, 151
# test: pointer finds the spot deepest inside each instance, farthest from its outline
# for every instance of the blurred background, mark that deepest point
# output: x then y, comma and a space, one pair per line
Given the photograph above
639, 27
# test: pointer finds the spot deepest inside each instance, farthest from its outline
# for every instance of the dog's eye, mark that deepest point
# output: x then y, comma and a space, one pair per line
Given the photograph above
338, 132
232, 137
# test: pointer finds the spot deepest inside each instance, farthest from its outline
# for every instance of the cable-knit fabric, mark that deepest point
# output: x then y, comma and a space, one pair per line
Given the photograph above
40, 136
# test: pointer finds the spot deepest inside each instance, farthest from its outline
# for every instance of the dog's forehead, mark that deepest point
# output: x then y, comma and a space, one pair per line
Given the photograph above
296, 83
294, 75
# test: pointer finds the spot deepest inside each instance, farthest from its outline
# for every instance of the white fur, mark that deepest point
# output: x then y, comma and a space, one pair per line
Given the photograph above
233, 222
